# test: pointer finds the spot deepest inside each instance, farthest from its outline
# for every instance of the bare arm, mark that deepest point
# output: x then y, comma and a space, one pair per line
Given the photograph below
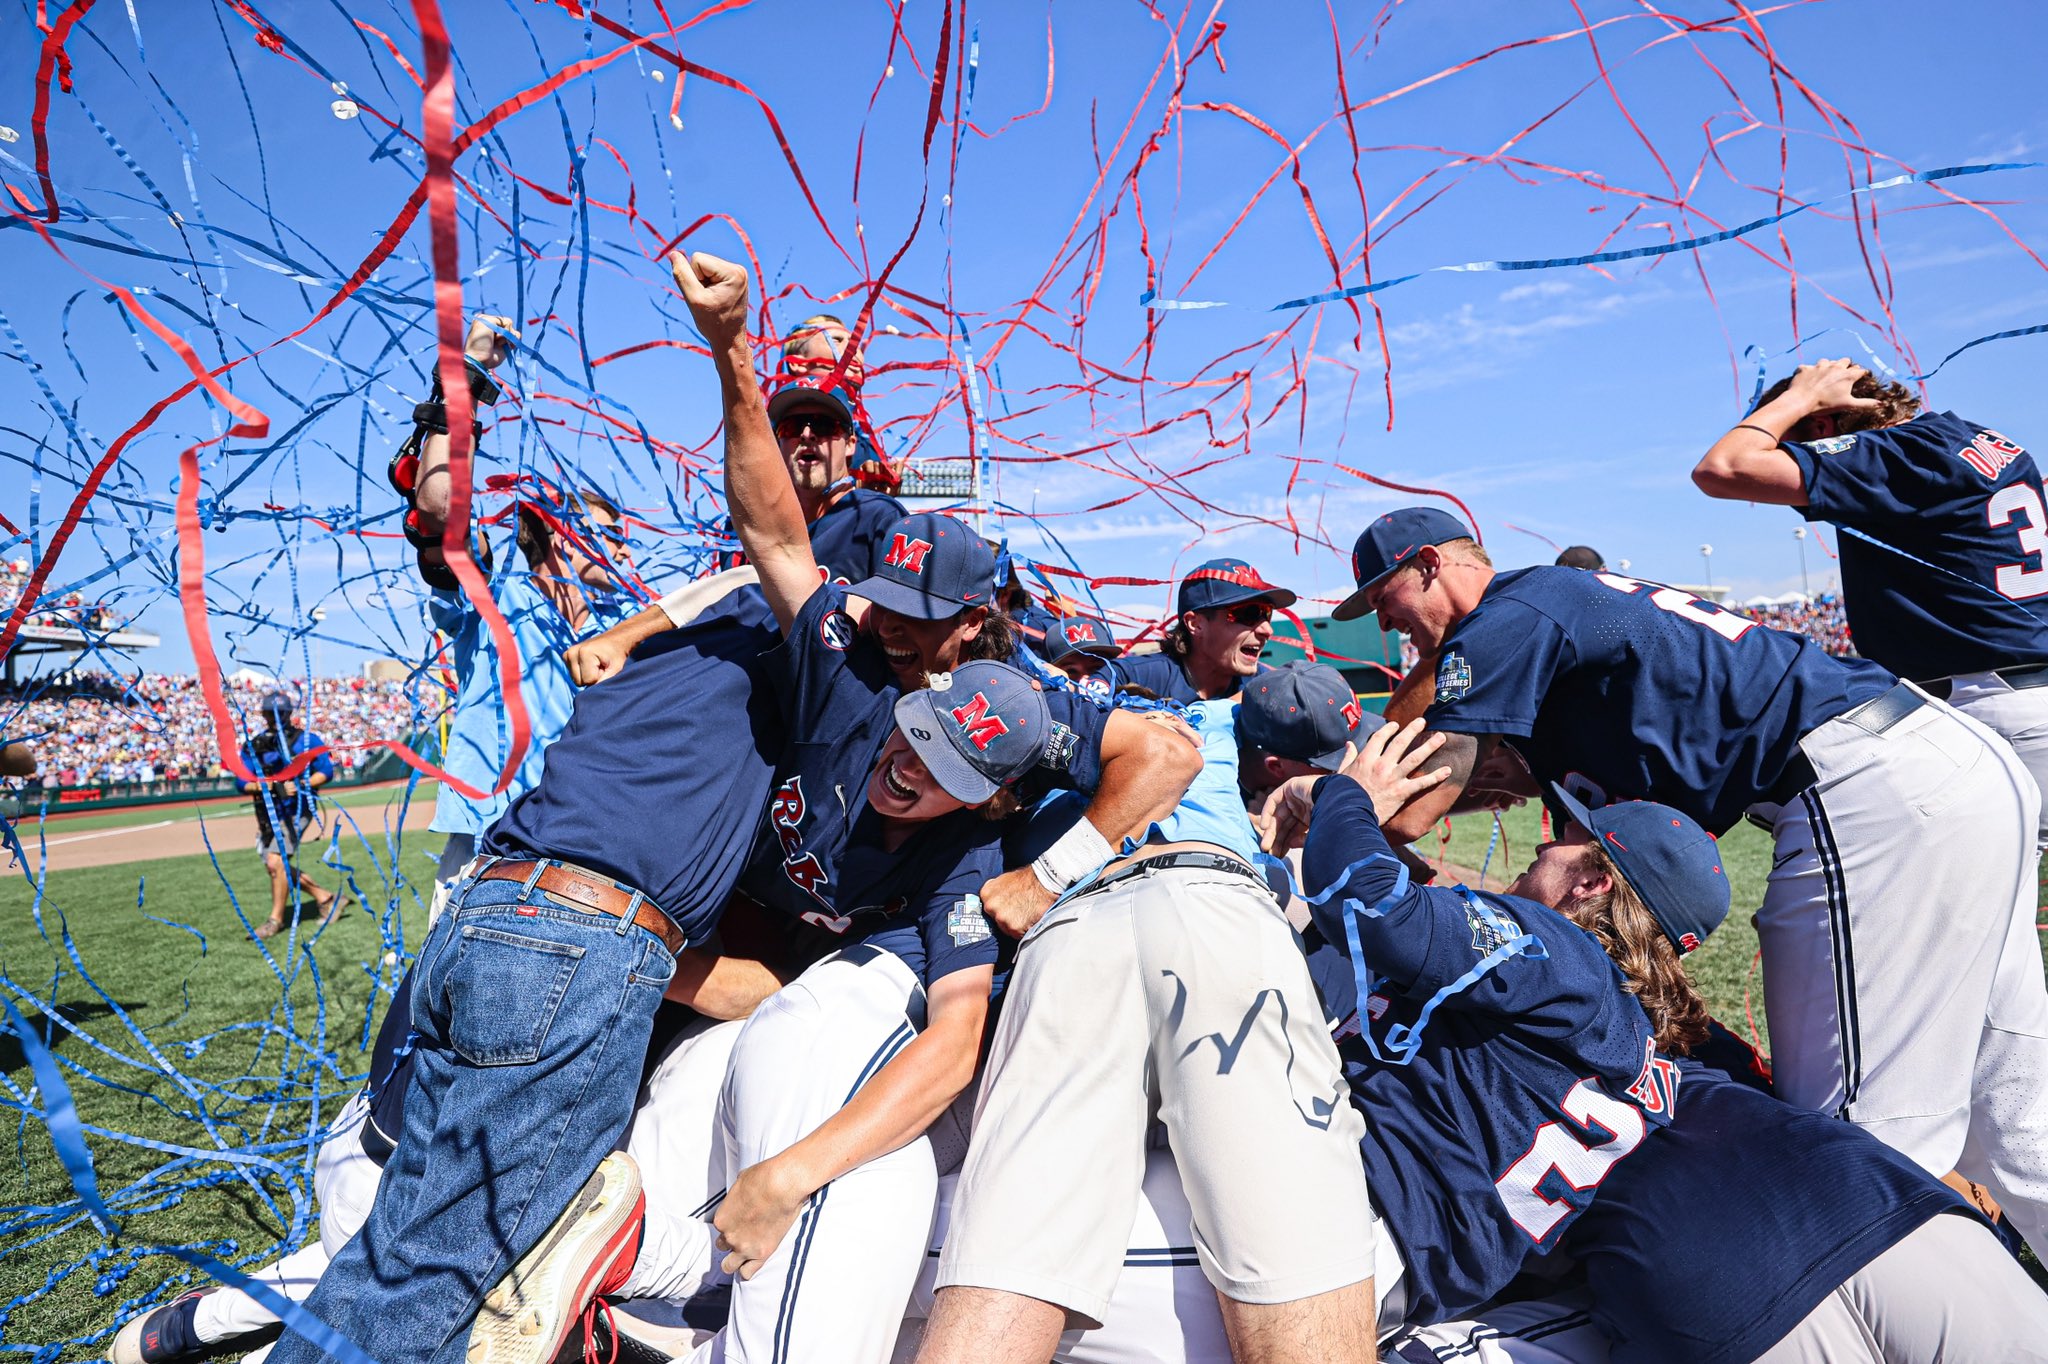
1147, 763
1462, 754
892, 1109
721, 986
758, 493
430, 486
601, 656
1746, 463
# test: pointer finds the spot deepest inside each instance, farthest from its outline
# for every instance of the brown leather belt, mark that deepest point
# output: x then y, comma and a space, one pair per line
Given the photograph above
593, 893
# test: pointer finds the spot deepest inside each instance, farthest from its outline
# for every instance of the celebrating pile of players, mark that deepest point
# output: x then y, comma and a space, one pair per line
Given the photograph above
870, 961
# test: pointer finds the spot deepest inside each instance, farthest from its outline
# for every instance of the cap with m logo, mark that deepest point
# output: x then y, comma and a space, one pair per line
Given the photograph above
1085, 635
1304, 711
934, 568
977, 729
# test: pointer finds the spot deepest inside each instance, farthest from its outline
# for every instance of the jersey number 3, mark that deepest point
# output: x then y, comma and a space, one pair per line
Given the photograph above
1558, 1149
2017, 582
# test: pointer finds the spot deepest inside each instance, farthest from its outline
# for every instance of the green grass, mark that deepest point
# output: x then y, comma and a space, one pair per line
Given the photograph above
179, 994
355, 798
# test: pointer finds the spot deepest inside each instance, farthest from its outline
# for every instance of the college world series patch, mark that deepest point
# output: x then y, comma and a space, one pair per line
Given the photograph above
965, 923
1490, 932
1453, 677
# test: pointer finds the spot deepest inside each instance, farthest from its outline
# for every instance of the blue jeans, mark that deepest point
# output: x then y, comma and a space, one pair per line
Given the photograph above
532, 1020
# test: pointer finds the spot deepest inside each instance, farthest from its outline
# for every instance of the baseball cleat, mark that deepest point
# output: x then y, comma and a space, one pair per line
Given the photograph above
587, 1252
169, 1335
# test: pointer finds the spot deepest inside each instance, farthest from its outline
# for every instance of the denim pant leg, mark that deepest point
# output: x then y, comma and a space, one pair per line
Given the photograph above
532, 1023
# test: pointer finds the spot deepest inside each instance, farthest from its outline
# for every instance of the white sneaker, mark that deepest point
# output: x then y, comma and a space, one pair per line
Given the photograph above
587, 1252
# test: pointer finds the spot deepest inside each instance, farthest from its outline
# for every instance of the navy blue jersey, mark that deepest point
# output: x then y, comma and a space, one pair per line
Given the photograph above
921, 901
1528, 1089
1964, 501
835, 687
1161, 674
1626, 690
847, 541
390, 1075
1731, 1224
659, 778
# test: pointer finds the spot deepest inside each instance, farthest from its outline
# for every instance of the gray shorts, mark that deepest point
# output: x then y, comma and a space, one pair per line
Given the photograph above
282, 835
1178, 995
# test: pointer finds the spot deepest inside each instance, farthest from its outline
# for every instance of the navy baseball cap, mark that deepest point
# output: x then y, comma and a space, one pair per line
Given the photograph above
1082, 635
934, 568
1670, 862
1387, 543
276, 703
977, 729
1304, 711
810, 393
1226, 582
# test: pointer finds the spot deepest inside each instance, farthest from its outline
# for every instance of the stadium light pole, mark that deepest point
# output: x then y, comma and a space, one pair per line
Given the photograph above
1707, 562
1799, 534
316, 615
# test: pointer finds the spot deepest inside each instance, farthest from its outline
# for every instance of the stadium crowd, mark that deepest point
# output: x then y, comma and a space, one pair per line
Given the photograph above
1822, 619
865, 965
95, 729
67, 612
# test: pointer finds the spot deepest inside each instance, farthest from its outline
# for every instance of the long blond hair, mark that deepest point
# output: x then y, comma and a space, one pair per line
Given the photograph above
1633, 937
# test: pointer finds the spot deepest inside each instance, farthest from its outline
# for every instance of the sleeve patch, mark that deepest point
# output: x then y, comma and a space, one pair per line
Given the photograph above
965, 923
1060, 748
1453, 677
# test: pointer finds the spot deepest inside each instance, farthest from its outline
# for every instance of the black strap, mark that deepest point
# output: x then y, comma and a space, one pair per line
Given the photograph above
1193, 861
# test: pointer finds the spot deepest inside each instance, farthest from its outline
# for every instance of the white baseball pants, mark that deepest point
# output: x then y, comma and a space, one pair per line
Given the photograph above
1902, 968
2018, 717
345, 1185
835, 1288
1164, 1309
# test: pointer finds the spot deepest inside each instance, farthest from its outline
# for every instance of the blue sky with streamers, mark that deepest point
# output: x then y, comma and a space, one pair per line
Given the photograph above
1568, 402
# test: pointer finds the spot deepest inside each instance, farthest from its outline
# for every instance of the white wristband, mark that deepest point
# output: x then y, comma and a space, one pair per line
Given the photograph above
1080, 850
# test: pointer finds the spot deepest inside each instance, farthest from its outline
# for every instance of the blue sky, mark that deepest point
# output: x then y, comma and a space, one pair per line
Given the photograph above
1569, 402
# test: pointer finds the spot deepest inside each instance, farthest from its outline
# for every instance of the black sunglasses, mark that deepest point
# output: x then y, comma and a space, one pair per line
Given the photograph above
1248, 613
824, 424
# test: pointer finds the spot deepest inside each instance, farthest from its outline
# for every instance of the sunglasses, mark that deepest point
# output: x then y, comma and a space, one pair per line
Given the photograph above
1248, 613
824, 424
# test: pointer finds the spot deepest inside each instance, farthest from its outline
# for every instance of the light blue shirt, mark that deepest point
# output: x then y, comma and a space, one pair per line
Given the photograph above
1212, 811
480, 731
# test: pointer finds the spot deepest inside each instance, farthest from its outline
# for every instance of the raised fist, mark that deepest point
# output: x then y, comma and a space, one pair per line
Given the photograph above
716, 291
485, 345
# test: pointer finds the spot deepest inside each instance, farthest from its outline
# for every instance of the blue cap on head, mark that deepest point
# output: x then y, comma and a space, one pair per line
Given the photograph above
1671, 863
276, 703
934, 568
1081, 635
1226, 582
811, 393
1304, 711
1387, 543
977, 729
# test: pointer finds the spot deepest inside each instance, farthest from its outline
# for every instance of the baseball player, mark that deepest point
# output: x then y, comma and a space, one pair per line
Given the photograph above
1581, 556
1083, 648
285, 811
1881, 801
1945, 545
1223, 618
1036, 627
818, 1180
1165, 985
1524, 1096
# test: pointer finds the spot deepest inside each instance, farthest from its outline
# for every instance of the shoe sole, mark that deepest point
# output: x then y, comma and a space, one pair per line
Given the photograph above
526, 1317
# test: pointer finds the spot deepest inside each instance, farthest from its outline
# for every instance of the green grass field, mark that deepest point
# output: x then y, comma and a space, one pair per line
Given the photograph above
157, 977
353, 798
